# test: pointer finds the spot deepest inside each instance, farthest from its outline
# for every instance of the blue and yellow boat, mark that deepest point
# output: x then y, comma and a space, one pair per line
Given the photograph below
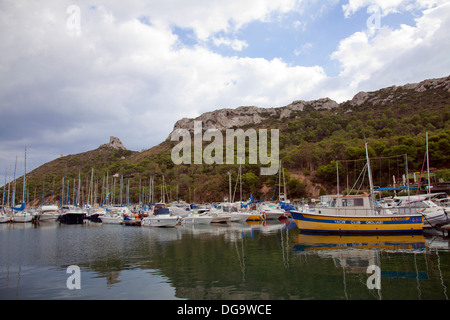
355, 215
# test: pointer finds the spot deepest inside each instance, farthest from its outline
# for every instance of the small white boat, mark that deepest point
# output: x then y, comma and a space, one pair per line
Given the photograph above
73, 215
272, 212
4, 218
161, 218
22, 217
218, 217
49, 213
111, 219
433, 215
239, 216
197, 219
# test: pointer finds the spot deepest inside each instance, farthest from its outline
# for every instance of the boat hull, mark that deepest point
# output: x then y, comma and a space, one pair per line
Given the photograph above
239, 217
21, 218
197, 219
111, 220
49, 217
340, 224
73, 218
273, 215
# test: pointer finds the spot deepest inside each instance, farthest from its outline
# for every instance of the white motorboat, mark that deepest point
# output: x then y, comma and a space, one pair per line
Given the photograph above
240, 216
3, 218
161, 218
218, 217
49, 213
111, 218
22, 216
271, 211
73, 215
197, 219
433, 215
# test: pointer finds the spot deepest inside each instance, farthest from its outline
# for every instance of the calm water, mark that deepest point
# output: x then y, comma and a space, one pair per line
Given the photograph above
217, 262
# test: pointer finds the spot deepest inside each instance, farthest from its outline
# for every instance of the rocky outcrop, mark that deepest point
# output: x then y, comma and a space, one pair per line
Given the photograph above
114, 143
390, 94
236, 118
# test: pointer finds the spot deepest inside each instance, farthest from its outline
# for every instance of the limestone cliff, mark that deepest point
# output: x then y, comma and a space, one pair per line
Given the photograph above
229, 118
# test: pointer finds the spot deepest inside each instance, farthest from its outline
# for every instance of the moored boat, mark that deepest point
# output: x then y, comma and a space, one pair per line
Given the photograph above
356, 220
240, 216
22, 216
271, 211
197, 219
111, 219
73, 215
3, 218
356, 215
49, 213
161, 217
433, 215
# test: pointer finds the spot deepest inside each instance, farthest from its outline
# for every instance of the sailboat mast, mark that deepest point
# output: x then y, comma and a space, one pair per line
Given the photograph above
25, 179
428, 167
369, 172
13, 199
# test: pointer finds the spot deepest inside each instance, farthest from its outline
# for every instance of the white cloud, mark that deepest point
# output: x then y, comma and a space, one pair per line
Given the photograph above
235, 44
388, 7
123, 77
129, 75
375, 59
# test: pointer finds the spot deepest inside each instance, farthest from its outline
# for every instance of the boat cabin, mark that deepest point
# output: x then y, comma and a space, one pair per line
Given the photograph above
348, 205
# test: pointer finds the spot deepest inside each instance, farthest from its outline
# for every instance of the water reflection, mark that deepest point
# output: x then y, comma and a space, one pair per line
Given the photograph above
253, 261
390, 267
309, 242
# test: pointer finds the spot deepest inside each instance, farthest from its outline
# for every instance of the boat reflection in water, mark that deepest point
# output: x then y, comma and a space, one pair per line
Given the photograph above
366, 255
310, 242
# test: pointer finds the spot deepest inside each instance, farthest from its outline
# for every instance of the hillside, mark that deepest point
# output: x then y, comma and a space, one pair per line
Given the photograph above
313, 134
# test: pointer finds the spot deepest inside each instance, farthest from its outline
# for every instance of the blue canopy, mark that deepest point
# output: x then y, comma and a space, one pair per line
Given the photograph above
395, 189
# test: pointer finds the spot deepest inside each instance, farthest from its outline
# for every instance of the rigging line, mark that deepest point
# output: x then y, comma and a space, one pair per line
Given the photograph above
363, 171
374, 158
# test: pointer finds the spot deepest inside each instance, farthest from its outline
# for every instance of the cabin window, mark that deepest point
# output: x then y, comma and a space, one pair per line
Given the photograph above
333, 203
353, 202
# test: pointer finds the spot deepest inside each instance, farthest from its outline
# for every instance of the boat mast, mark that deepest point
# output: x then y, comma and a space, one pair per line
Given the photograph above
369, 171
428, 167
25, 179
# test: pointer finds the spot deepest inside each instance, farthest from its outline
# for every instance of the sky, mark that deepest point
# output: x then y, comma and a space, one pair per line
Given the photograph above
73, 73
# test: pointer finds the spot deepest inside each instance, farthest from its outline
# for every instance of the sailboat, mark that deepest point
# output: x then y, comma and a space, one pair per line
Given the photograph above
356, 215
21, 214
271, 210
